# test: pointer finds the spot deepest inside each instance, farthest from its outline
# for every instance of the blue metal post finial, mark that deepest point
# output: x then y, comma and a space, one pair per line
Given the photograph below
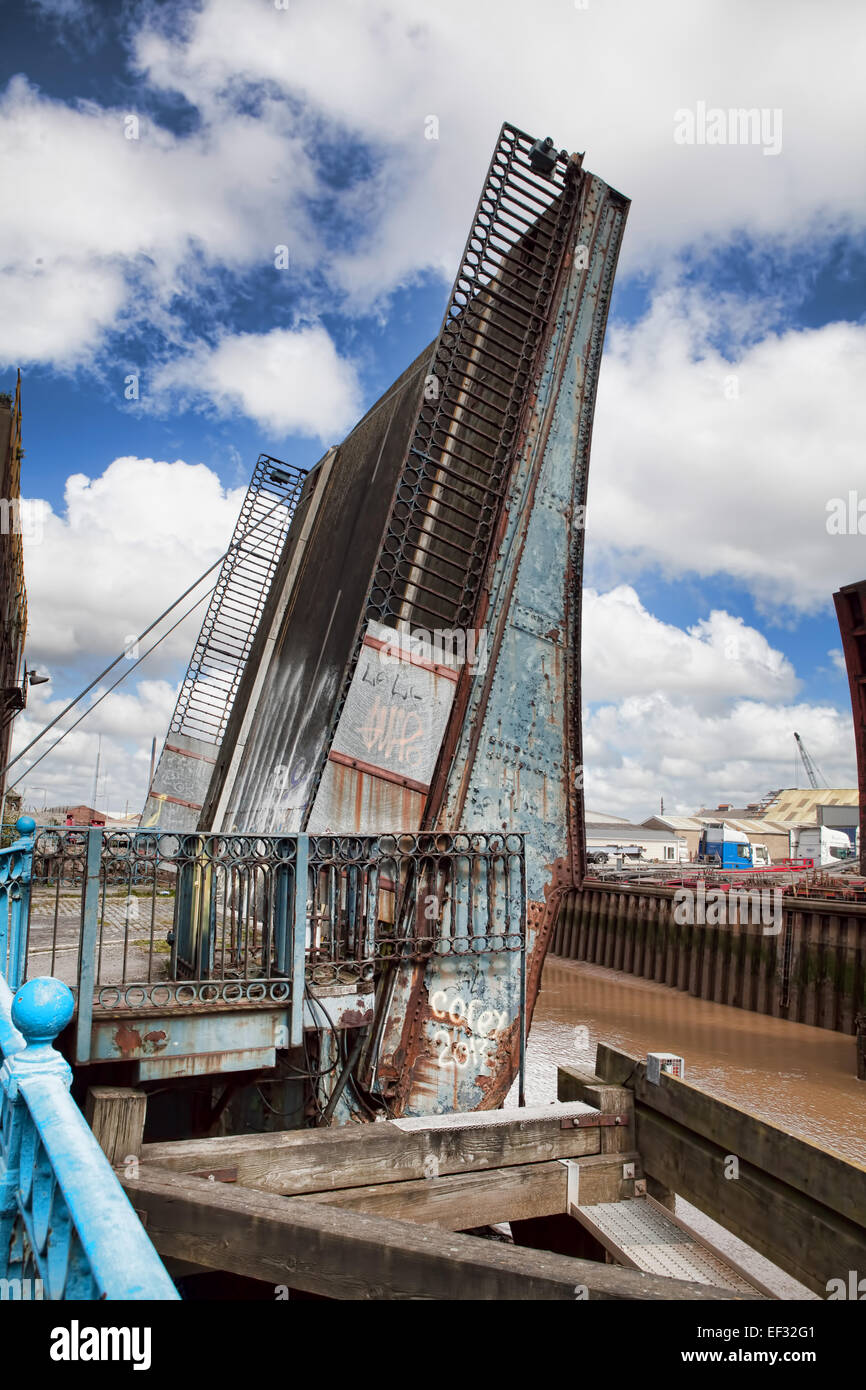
40, 1010
25, 825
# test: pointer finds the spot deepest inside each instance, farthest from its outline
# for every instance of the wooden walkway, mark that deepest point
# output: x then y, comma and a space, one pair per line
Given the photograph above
387, 1210
380, 1211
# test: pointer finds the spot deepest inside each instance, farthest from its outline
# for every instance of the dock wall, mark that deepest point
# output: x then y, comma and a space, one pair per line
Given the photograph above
812, 970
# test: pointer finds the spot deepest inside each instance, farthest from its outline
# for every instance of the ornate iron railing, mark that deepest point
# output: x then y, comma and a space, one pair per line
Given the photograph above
67, 1229
164, 920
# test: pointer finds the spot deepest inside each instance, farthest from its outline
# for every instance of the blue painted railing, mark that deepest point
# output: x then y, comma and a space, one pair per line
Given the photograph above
67, 1228
15, 872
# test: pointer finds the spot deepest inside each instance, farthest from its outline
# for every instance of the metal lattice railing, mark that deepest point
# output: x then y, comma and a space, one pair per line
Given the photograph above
162, 920
223, 646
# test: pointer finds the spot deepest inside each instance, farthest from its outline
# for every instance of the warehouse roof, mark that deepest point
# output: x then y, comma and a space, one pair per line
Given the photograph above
680, 823
605, 830
761, 826
800, 804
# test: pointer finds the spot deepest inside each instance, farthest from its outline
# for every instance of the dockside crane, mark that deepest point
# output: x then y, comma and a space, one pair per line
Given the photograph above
813, 772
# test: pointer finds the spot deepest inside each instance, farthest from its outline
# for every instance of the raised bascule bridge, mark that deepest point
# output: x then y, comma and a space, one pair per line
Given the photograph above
368, 805
313, 969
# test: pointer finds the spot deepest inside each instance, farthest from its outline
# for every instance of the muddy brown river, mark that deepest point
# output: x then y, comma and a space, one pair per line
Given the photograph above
795, 1076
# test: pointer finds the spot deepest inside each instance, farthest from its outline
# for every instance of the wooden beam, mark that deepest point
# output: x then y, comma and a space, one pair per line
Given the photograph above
461, 1200
324, 1160
615, 1067
805, 1237
573, 1084
116, 1114
323, 1249
836, 1182
602, 1178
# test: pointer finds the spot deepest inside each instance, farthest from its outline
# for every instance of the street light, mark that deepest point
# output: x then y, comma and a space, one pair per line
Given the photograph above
15, 696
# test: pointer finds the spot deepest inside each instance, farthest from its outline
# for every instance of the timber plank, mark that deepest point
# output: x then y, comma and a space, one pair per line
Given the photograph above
805, 1237
324, 1160
836, 1182
600, 1178
573, 1084
461, 1200
345, 1254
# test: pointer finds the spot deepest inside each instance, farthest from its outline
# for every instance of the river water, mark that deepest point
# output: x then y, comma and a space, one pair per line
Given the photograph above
795, 1076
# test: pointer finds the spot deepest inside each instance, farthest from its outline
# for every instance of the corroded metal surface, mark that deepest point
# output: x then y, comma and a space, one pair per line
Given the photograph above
456, 504
516, 758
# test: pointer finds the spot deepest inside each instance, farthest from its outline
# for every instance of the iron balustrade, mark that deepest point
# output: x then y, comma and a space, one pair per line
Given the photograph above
67, 1228
162, 920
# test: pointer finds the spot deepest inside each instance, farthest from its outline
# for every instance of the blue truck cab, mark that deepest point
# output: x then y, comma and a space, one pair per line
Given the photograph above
724, 846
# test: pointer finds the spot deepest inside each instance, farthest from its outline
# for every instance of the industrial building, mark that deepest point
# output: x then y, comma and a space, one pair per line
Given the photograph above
657, 844
774, 835
801, 805
786, 814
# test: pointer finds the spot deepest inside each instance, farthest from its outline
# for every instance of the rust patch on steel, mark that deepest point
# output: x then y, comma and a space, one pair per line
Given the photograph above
355, 1018
506, 1061
540, 919
127, 1040
406, 1054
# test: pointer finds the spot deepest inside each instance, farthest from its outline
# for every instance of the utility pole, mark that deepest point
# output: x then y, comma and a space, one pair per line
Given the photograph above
96, 774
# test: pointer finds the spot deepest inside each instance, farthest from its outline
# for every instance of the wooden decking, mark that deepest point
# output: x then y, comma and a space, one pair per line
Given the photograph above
381, 1210
387, 1210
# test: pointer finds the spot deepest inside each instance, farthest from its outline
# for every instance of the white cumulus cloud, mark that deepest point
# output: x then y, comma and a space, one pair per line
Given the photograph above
293, 381
714, 466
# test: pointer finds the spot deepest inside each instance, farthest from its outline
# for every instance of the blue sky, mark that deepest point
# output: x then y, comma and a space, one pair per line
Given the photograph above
730, 408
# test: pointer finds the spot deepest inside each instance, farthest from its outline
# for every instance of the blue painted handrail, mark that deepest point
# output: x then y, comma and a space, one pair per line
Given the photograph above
65, 1222
16, 862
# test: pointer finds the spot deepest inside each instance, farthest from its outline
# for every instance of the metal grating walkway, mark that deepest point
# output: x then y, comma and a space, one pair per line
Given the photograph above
641, 1234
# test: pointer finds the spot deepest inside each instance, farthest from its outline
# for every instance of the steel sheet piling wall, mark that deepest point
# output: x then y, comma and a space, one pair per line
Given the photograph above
813, 970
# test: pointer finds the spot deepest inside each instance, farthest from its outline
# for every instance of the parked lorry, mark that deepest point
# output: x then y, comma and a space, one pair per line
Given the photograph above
725, 847
609, 854
824, 845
